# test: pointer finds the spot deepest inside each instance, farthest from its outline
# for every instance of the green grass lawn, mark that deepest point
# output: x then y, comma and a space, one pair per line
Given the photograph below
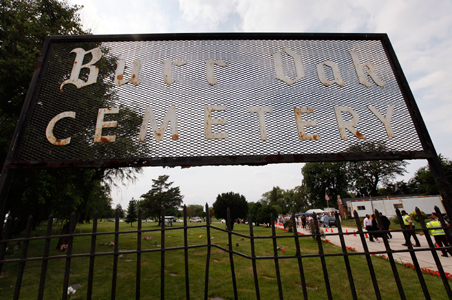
220, 281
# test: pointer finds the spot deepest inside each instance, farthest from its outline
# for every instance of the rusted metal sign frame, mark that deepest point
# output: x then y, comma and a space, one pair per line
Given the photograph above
428, 152
13, 163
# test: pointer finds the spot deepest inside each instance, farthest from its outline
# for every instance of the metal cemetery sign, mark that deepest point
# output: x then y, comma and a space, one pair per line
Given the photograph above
212, 99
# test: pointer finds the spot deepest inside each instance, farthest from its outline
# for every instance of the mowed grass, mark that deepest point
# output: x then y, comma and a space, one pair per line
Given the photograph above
220, 279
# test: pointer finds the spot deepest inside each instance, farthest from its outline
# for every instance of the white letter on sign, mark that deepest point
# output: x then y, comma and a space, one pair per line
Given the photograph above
260, 110
149, 116
385, 120
359, 71
98, 138
302, 124
93, 70
134, 79
336, 73
209, 122
209, 69
168, 69
49, 130
277, 61
347, 124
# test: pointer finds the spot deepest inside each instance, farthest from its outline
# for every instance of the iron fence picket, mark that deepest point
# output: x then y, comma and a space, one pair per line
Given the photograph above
346, 260
253, 257
187, 280
23, 258
44, 256
138, 273
367, 254
231, 256
67, 269
115, 257
92, 257
162, 253
275, 256
299, 260
209, 248
322, 257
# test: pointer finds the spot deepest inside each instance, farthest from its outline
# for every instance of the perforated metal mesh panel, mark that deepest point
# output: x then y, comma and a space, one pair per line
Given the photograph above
248, 80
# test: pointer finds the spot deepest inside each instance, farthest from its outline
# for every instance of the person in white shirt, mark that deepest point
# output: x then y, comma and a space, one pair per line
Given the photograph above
368, 225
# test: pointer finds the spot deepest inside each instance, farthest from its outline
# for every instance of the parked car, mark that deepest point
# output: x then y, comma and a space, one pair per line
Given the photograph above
179, 221
196, 220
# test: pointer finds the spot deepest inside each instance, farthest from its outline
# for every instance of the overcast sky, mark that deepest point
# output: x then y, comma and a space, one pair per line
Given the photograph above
420, 32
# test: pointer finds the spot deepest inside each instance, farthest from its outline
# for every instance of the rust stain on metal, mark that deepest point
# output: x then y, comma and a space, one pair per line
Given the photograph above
175, 137
120, 77
105, 139
359, 135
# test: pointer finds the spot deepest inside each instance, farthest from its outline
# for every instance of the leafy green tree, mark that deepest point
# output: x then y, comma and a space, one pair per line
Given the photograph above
161, 195
24, 25
254, 211
265, 213
238, 207
272, 197
366, 176
120, 211
195, 210
397, 188
322, 178
132, 212
423, 181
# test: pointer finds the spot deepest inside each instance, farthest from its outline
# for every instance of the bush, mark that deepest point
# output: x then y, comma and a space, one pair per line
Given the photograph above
414, 216
288, 225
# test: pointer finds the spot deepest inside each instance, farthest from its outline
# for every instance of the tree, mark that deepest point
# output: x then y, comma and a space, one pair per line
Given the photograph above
24, 25
322, 178
272, 197
195, 210
423, 181
238, 207
120, 211
365, 176
132, 212
162, 195
265, 213
254, 211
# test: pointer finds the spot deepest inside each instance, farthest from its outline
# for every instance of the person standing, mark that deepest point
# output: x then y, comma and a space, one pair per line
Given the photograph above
438, 234
375, 228
326, 221
385, 224
368, 225
407, 221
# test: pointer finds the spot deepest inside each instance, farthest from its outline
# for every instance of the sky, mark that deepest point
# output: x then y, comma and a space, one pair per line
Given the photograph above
420, 33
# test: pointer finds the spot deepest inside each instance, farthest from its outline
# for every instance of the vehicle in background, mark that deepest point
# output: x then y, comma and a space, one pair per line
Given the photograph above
195, 220
179, 221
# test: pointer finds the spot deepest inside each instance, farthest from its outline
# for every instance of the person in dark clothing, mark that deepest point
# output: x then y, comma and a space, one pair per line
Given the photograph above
385, 224
375, 228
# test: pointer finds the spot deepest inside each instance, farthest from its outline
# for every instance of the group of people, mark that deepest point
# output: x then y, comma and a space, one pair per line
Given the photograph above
373, 227
306, 221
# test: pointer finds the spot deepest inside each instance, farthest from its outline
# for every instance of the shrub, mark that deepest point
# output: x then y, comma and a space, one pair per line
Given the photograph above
414, 216
288, 225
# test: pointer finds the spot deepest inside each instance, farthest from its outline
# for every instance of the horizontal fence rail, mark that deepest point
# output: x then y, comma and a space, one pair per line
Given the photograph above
298, 258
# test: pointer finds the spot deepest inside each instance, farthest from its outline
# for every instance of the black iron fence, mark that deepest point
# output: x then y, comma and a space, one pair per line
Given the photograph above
298, 258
